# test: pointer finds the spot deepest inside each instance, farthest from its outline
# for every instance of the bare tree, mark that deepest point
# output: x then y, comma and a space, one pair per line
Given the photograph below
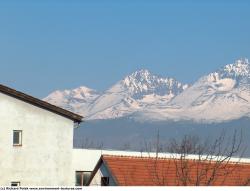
197, 162
126, 146
86, 143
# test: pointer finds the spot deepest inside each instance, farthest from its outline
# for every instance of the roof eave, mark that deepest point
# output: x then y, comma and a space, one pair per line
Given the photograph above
40, 103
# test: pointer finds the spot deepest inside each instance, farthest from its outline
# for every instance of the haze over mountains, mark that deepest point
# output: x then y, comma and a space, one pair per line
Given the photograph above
143, 96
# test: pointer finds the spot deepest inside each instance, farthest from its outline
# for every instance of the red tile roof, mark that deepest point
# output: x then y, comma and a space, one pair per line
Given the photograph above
141, 171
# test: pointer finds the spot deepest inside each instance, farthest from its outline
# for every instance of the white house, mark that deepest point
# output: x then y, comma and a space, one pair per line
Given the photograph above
36, 141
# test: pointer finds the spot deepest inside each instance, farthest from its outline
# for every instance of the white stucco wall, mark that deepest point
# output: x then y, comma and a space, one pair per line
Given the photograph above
45, 157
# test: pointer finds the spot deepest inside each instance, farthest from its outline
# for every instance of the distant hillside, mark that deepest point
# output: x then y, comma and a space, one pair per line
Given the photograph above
124, 133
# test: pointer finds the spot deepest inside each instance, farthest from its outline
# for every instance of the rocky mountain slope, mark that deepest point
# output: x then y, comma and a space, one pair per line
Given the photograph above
76, 100
219, 96
134, 93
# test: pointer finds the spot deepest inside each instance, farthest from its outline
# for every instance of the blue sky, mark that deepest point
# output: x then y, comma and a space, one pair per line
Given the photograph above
48, 45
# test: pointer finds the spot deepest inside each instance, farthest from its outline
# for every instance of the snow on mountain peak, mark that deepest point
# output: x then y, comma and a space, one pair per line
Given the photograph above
236, 73
143, 94
74, 100
142, 82
241, 67
131, 94
218, 96
135, 92
80, 93
84, 91
141, 74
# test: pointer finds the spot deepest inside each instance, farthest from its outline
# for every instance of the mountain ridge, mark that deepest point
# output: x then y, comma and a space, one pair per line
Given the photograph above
145, 96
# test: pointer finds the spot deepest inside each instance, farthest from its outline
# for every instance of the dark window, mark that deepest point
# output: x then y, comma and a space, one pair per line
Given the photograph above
17, 138
15, 184
104, 181
82, 177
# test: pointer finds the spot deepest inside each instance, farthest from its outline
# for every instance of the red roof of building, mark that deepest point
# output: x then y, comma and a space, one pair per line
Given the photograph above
141, 171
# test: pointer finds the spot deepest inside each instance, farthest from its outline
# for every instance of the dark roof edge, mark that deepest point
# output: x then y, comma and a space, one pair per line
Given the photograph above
109, 170
98, 165
39, 103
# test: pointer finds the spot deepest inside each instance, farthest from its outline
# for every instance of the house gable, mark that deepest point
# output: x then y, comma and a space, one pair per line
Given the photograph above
36, 143
101, 170
39, 103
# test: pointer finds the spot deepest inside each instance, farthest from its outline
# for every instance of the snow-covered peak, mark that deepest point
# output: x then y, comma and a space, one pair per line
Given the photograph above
239, 72
76, 100
143, 94
143, 82
143, 74
83, 91
218, 96
135, 92
79, 93
241, 67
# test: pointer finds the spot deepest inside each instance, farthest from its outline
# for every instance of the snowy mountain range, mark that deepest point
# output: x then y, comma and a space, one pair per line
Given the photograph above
219, 96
